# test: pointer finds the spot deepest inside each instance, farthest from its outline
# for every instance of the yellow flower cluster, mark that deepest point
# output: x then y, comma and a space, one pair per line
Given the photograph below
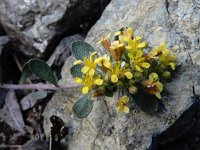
126, 64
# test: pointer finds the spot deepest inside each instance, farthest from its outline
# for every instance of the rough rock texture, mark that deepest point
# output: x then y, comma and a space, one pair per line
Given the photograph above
62, 51
183, 134
177, 23
37, 24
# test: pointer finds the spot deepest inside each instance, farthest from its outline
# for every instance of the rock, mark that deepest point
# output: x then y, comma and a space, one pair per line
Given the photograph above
62, 51
37, 24
175, 22
3, 40
184, 134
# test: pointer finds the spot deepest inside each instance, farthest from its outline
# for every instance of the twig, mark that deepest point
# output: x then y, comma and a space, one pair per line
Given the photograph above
39, 86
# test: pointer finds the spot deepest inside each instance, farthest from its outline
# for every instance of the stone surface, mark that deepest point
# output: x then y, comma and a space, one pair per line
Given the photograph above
184, 134
62, 51
173, 21
36, 24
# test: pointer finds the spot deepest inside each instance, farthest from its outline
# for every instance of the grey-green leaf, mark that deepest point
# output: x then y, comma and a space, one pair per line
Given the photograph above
42, 70
39, 95
83, 107
76, 70
25, 73
81, 49
148, 103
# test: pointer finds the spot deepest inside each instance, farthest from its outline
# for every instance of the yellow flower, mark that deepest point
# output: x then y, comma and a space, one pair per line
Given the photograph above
89, 64
116, 50
118, 71
106, 43
138, 61
134, 44
166, 57
88, 82
104, 63
152, 85
121, 104
128, 32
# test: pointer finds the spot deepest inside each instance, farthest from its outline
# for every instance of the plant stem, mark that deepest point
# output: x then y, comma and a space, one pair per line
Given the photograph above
39, 86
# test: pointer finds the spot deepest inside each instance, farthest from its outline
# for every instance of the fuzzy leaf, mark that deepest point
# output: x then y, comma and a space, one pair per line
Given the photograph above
81, 49
148, 103
83, 107
42, 70
76, 71
39, 95
25, 73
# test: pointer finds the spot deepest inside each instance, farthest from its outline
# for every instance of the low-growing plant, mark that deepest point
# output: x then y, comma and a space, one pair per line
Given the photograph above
127, 65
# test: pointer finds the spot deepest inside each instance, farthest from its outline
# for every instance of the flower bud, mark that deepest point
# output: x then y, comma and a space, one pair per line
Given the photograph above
131, 82
166, 75
132, 90
120, 84
101, 90
137, 75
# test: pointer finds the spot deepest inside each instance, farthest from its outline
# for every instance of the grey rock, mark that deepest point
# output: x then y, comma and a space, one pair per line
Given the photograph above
62, 51
173, 21
34, 24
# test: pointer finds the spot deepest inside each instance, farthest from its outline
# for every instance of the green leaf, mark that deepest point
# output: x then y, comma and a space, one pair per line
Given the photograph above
81, 49
83, 107
76, 70
25, 73
148, 103
39, 95
42, 70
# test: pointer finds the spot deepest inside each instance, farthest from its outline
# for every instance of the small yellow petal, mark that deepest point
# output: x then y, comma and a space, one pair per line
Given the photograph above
138, 68
137, 38
159, 86
130, 55
124, 99
85, 90
114, 78
118, 109
172, 66
166, 52
139, 53
85, 69
158, 95
126, 109
107, 64
98, 81
125, 38
145, 65
91, 55
91, 72
129, 75
128, 47
97, 60
78, 62
117, 33
142, 45
163, 44
78, 80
